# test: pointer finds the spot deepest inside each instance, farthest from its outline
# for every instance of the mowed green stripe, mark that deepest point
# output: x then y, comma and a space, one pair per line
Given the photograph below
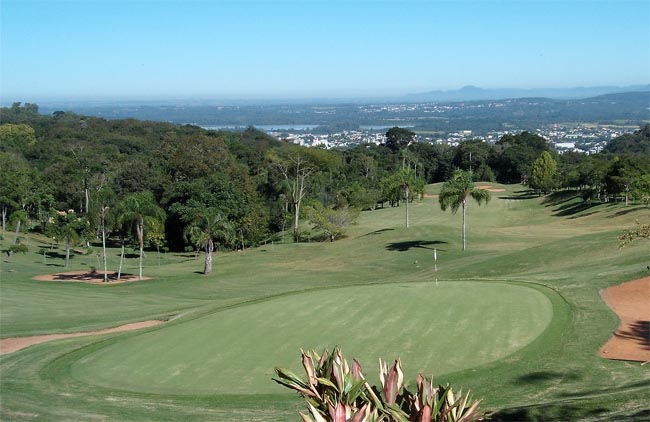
444, 328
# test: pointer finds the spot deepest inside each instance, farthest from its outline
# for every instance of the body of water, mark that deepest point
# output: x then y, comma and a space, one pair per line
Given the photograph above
265, 128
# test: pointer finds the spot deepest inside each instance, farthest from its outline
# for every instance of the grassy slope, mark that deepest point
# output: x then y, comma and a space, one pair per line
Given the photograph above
556, 244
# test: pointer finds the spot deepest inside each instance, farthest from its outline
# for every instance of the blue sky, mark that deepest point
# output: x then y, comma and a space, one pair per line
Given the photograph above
151, 49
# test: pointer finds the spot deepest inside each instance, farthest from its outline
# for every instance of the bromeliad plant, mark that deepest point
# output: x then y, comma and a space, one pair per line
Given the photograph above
338, 392
334, 390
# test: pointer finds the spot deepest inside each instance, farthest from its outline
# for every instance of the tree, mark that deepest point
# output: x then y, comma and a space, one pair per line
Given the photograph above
455, 192
635, 143
515, 154
16, 179
543, 174
296, 171
16, 137
640, 190
142, 211
332, 221
205, 229
69, 226
641, 231
407, 182
104, 201
17, 217
398, 138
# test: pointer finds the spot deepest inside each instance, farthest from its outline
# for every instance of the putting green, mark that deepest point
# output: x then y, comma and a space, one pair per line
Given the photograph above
434, 329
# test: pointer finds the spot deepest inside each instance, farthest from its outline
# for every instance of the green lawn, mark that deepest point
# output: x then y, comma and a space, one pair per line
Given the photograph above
234, 351
517, 318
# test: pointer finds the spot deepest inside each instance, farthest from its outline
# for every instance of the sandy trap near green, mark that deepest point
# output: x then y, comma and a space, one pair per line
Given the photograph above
434, 329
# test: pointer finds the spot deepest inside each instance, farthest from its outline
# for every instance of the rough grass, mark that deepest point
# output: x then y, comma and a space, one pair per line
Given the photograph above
564, 251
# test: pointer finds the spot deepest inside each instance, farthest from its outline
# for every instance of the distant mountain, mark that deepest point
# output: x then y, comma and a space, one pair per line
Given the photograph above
473, 93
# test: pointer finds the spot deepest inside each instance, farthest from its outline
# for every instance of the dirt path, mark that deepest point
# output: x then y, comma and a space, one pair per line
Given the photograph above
13, 344
631, 301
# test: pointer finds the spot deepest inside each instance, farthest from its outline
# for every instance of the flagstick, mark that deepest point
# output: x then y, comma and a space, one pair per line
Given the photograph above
435, 264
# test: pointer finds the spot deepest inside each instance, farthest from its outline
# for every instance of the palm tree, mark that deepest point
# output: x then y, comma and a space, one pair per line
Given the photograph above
455, 191
205, 229
67, 225
141, 210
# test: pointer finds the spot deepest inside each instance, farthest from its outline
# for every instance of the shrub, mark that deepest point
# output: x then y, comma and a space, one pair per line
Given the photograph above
338, 392
18, 247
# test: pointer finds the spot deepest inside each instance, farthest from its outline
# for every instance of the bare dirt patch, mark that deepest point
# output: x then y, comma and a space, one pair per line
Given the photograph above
631, 302
92, 277
428, 195
490, 188
13, 344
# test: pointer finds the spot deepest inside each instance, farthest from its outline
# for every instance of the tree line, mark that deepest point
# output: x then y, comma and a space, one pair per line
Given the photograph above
180, 187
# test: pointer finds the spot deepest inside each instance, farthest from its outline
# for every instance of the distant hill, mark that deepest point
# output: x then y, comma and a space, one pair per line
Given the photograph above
473, 93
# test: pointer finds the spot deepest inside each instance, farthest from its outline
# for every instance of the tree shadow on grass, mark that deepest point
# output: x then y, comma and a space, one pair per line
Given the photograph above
549, 412
572, 209
546, 376
595, 392
405, 246
376, 232
571, 406
52, 254
639, 332
559, 197
521, 194
627, 211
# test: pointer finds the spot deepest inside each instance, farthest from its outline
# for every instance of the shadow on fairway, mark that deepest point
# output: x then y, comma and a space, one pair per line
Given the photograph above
604, 391
376, 232
557, 412
574, 208
52, 254
521, 194
546, 376
570, 407
405, 246
559, 197
627, 211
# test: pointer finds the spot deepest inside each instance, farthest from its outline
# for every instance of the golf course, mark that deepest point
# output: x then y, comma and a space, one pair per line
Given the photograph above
517, 318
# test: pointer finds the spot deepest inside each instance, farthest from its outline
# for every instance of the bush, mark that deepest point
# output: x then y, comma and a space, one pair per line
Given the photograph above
18, 247
338, 392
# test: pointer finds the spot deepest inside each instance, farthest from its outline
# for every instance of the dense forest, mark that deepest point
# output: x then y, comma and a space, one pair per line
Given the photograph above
153, 184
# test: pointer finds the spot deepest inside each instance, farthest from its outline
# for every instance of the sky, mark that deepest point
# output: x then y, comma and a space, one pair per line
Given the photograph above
155, 49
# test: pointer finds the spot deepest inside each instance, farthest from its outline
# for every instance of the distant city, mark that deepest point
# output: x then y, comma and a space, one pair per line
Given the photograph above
578, 138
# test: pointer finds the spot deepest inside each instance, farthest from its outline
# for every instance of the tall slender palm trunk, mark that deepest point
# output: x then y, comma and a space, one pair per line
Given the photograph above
17, 231
119, 271
464, 204
209, 247
406, 193
296, 220
104, 250
67, 251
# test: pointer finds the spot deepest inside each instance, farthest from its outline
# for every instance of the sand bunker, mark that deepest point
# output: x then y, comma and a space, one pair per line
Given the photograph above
13, 344
489, 188
96, 277
631, 301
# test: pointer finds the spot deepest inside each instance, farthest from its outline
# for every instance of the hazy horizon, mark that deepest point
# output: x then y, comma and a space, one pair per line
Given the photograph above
287, 50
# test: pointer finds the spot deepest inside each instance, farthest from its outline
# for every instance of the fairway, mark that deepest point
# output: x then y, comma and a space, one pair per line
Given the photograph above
444, 328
